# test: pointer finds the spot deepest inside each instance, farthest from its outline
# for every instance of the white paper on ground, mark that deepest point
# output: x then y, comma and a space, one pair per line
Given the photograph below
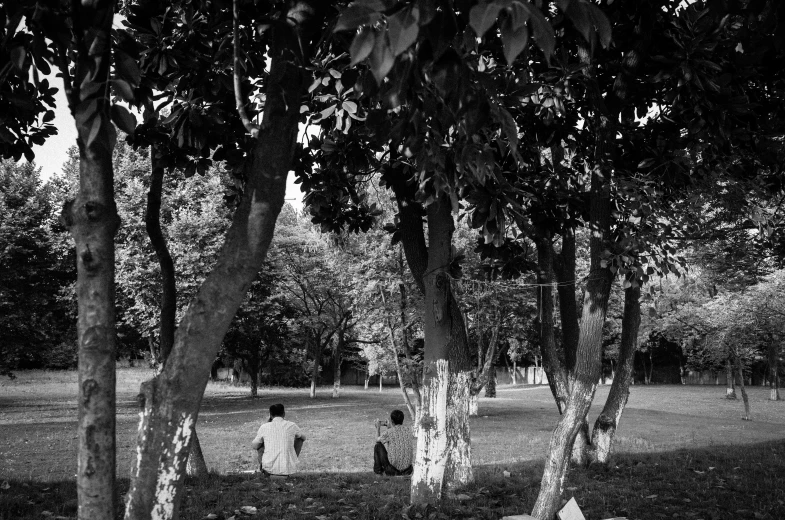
571, 511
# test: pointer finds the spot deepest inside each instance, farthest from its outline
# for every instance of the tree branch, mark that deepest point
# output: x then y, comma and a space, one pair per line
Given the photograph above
252, 128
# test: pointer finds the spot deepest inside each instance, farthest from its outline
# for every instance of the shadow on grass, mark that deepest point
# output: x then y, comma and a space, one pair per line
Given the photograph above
719, 482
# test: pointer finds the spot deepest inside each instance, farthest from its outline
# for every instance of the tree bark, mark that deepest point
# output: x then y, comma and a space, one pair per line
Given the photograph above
317, 363
484, 372
554, 370
170, 402
152, 220
588, 365
742, 387
337, 363
92, 220
564, 269
196, 466
730, 391
774, 373
443, 457
608, 421
490, 389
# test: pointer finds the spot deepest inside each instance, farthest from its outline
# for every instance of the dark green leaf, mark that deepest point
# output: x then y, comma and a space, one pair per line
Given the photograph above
403, 29
18, 55
382, 59
94, 129
483, 15
514, 40
127, 68
542, 29
362, 45
601, 24
123, 89
124, 120
356, 15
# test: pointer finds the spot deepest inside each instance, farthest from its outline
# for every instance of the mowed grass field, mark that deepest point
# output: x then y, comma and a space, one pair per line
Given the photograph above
686, 429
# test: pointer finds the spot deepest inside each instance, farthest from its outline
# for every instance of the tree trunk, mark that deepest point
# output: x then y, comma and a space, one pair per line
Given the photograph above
490, 389
608, 420
367, 378
170, 402
744, 397
554, 370
92, 221
474, 404
730, 391
443, 457
564, 269
152, 219
196, 466
774, 373
337, 355
514, 374
588, 366
317, 363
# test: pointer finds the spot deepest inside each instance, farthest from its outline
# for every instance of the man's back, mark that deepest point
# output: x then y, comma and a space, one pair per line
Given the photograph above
399, 443
278, 436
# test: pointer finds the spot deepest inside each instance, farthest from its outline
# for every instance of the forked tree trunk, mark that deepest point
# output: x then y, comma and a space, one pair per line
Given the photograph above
443, 457
92, 221
730, 390
608, 421
588, 366
774, 373
196, 465
170, 402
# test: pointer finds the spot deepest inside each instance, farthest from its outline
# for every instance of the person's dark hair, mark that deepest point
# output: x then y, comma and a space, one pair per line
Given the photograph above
276, 410
397, 417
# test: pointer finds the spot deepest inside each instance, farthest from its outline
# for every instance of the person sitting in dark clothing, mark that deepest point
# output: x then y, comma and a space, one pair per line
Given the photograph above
393, 453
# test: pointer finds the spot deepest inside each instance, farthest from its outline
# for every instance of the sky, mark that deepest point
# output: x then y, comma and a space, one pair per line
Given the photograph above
54, 152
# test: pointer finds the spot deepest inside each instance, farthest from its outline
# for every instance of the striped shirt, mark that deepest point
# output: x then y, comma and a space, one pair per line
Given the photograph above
399, 443
278, 436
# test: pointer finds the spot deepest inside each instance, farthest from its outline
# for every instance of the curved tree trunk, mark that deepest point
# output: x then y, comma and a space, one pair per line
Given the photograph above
608, 420
588, 365
170, 402
92, 221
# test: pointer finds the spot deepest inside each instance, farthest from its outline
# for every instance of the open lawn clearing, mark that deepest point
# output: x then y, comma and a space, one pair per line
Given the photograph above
38, 423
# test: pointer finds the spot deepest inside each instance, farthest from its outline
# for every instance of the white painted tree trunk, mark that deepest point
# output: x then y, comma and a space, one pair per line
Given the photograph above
459, 471
474, 405
430, 459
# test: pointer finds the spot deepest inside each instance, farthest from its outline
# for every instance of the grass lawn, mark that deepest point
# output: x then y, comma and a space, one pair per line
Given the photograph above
683, 452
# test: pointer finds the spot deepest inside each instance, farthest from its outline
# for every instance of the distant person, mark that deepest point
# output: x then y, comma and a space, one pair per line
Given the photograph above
393, 453
278, 443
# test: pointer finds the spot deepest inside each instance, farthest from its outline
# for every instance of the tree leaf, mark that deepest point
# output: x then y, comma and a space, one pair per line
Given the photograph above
542, 29
483, 15
124, 120
382, 59
123, 89
362, 45
356, 15
127, 68
514, 40
601, 24
402, 29
18, 55
94, 129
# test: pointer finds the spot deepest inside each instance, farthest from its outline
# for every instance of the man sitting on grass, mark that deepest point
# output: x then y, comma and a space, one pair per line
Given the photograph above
394, 448
278, 443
